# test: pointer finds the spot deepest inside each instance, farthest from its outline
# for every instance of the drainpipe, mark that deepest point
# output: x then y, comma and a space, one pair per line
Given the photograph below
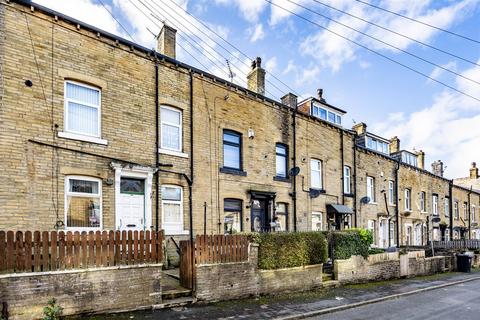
342, 167
294, 193
355, 178
190, 181
397, 216
450, 206
469, 215
157, 157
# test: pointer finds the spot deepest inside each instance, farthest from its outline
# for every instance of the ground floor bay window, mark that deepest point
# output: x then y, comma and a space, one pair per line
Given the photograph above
83, 202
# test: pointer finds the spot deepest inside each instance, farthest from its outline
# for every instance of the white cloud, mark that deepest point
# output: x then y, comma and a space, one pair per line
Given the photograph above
271, 64
332, 51
257, 33
437, 72
446, 130
291, 67
250, 9
86, 11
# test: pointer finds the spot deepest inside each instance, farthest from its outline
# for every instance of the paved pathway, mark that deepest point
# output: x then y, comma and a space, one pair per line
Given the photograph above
293, 304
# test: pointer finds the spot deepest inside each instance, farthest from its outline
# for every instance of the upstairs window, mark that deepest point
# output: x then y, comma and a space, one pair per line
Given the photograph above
423, 206
347, 180
82, 109
408, 200
232, 150
391, 192
371, 189
435, 205
281, 160
409, 158
83, 202
326, 115
465, 211
171, 129
447, 207
316, 174
474, 218
456, 211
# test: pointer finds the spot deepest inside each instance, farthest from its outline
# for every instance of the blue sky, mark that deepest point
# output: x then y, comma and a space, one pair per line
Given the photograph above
390, 99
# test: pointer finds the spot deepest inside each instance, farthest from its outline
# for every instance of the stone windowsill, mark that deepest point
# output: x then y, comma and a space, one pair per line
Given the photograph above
173, 153
281, 179
233, 171
80, 137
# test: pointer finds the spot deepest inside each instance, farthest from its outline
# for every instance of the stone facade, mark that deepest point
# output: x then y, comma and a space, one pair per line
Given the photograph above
38, 153
82, 291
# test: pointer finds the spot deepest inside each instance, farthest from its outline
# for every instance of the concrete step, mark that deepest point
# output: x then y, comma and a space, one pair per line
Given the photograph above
172, 303
174, 273
331, 284
176, 293
327, 276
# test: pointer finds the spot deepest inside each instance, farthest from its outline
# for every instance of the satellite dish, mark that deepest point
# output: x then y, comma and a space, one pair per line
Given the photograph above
314, 193
365, 200
294, 171
436, 219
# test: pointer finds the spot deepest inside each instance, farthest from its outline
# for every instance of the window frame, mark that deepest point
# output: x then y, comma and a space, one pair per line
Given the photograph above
317, 214
65, 108
371, 189
435, 204
286, 214
408, 199
456, 210
347, 180
179, 126
423, 201
320, 171
446, 206
391, 192
465, 211
182, 231
239, 145
67, 193
231, 210
285, 148
472, 213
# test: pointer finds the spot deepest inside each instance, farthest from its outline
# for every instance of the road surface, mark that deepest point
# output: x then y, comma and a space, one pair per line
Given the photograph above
454, 302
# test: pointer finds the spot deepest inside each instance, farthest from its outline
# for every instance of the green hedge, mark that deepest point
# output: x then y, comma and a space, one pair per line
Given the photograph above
351, 242
287, 250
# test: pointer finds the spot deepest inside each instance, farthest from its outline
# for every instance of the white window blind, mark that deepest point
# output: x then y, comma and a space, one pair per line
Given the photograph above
82, 109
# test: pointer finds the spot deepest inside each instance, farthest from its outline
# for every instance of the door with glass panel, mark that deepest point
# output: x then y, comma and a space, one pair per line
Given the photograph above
131, 204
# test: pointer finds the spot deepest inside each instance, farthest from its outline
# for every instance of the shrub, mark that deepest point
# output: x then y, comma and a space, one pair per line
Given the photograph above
52, 311
287, 250
351, 242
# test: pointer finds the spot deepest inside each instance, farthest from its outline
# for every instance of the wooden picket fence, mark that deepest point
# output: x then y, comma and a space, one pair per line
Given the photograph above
457, 244
221, 248
59, 250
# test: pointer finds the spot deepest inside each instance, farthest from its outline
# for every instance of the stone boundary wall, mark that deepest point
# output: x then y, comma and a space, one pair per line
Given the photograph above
385, 266
82, 291
228, 281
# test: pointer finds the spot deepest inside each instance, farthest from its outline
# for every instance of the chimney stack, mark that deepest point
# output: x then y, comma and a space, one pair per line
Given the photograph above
320, 95
474, 171
437, 168
394, 145
256, 77
289, 100
360, 128
166, 41
421, 159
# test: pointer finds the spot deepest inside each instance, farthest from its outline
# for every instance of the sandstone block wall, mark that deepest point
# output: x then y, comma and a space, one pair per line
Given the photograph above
82, 291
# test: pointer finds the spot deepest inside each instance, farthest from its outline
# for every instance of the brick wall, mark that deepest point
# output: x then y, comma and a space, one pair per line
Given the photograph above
386, 266
226, 281
82, 291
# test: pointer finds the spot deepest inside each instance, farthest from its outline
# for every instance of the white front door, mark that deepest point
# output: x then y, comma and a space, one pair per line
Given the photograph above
418, 235
131, 204
383, 233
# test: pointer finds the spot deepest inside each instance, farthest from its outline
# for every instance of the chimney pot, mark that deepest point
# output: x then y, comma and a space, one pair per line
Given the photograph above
474, 171
256, 77
437, 168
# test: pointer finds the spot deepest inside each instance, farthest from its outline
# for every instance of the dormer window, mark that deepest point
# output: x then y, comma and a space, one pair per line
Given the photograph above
409, 158
377, 145
326, 114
